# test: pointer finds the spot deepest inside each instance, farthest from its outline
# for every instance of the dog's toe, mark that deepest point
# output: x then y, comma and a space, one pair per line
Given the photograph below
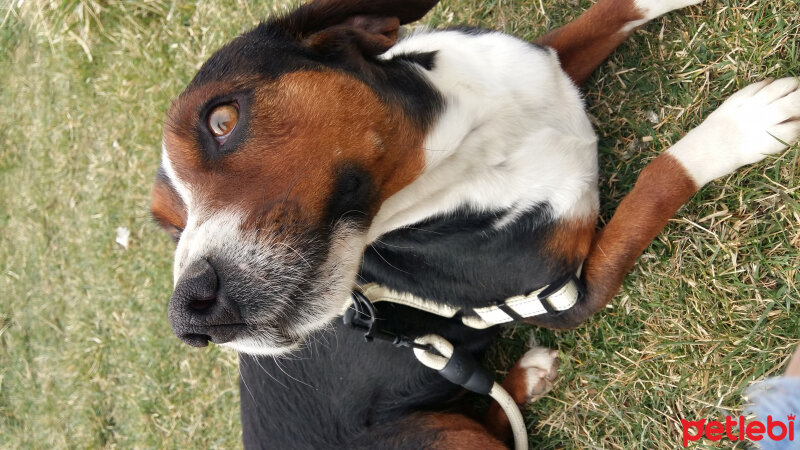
759, 120
541, 369
778, 90
764, 120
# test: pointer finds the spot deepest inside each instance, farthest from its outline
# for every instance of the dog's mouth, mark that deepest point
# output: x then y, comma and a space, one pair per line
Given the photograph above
244, 338
263, 344
218, 334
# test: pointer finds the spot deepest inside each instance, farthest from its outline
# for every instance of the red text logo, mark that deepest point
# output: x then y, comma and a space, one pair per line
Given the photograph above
737, 430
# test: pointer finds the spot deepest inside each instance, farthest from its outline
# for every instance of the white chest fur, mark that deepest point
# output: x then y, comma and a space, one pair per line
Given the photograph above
513, 133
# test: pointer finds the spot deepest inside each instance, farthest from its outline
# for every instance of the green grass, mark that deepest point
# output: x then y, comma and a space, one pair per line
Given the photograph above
87, 357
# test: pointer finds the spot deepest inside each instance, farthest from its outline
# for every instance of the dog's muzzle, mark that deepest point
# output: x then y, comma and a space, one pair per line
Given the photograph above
199, 311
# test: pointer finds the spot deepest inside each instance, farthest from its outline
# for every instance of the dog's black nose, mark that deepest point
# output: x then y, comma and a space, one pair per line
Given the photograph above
199, 310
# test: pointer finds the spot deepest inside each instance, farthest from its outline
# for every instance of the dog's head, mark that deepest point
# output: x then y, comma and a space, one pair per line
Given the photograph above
275, 159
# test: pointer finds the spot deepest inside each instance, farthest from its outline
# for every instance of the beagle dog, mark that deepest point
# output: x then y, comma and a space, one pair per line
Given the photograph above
318, 151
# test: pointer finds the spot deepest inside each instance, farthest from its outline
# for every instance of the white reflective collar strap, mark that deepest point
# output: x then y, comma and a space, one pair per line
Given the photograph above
378, 293
523, 306
531, 305
565, 297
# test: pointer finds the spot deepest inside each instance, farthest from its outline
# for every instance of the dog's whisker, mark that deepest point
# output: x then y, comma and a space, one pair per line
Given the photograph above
300, 255
241, 377
387, 262
387, 244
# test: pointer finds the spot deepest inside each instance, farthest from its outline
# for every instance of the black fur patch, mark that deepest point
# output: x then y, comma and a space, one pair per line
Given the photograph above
426, 60
353, 196
467, 29
342, 392
463, 260
162, 177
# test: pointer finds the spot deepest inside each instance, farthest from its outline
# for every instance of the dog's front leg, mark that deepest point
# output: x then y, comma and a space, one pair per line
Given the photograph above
588, 40
759, 120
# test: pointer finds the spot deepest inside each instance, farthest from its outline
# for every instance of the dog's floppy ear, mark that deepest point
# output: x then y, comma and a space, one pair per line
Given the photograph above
351, 30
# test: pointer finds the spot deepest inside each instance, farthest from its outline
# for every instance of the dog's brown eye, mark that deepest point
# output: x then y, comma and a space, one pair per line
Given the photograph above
222, 121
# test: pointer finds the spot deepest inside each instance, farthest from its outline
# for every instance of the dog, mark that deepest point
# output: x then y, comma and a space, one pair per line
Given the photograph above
318, 151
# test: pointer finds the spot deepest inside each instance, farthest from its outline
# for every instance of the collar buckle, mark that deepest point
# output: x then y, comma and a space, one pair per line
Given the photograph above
362, 316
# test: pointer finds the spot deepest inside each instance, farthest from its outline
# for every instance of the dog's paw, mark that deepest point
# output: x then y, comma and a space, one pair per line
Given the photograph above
540, 365
759, 120
651, 9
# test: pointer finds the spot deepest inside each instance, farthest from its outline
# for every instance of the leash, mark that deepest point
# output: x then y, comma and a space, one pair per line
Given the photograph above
459, 367
437, 353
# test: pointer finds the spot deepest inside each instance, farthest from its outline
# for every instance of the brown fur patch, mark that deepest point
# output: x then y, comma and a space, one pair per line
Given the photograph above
457, 431
301, 128
571, 239
168, 208
662, 188
585, 42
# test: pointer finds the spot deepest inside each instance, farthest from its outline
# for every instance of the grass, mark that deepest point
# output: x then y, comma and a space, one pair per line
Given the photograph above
87, 358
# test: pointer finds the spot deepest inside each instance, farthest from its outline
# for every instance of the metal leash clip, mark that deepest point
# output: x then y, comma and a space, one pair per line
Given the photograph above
361, 316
